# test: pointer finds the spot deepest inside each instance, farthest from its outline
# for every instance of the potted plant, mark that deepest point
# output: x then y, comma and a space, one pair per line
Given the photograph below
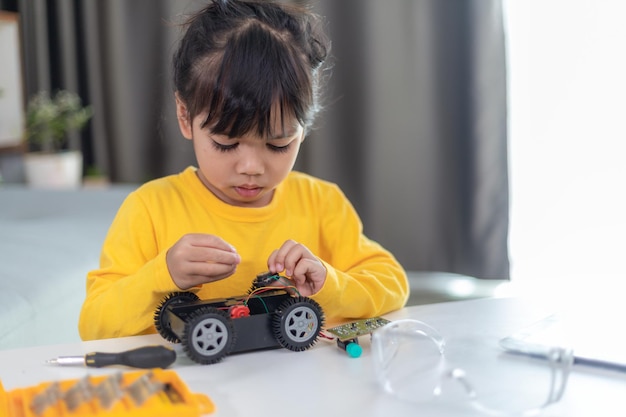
48, 163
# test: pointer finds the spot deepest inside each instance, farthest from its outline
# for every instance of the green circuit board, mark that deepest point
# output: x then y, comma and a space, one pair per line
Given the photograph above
357, 328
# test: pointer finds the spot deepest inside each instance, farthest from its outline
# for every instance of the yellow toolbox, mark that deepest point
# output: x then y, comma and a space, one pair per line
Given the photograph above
153, 393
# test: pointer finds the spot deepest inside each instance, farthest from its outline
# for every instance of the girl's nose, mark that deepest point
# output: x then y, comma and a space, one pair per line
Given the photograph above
250, 162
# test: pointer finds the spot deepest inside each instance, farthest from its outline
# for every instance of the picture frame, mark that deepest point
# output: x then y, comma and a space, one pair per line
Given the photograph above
12, 112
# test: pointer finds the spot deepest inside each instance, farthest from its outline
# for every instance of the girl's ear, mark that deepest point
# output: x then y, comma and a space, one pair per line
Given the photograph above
184, 123
303, 134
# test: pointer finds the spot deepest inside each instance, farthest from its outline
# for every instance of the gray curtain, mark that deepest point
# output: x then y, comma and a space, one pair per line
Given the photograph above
414, 129
417, 135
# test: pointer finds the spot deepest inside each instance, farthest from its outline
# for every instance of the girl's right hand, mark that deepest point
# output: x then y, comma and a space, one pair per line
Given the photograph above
197, 259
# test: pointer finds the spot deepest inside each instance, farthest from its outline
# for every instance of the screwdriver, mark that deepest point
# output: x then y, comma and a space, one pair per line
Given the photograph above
146, 357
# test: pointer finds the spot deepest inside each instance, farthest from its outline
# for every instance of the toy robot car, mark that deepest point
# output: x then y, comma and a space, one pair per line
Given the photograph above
267, 317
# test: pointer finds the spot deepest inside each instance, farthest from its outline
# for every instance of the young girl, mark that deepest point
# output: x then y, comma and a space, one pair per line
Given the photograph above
246, 77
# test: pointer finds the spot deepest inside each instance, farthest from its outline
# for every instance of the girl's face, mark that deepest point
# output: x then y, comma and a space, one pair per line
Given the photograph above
242, 171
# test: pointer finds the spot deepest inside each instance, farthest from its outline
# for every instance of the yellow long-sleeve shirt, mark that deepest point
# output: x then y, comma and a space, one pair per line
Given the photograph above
363, 279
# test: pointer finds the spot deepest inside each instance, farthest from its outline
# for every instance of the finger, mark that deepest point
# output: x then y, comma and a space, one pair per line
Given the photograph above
208, 272
302, 284
221, 257
294, 256
191, 274
204, 254
310, 275
272, 265
301, 270
198, 280
209, 241
276, 261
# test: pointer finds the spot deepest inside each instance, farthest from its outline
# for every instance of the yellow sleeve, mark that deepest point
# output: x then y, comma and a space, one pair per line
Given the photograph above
364, 279
123, 294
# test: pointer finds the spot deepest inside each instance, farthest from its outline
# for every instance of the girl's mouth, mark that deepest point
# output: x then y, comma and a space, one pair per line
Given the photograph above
248, 191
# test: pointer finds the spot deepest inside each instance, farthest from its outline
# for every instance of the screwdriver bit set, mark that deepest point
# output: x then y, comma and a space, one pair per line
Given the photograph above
154, 393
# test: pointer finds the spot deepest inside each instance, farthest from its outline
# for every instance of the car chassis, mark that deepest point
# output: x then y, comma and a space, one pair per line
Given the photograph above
269, 316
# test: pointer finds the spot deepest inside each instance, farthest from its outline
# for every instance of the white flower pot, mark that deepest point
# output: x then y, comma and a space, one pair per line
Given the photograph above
61, 170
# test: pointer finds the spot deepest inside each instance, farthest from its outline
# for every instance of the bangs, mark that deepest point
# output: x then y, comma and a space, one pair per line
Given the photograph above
256, 81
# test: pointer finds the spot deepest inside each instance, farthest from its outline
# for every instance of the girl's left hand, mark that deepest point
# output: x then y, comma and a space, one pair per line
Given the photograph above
300, 265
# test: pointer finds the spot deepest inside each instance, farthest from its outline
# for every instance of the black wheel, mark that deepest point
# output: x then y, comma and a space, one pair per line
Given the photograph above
298, 323
160, 319
208, 336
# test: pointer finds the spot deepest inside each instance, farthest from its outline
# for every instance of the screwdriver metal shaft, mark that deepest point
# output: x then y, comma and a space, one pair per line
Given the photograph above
67, 361
144, 357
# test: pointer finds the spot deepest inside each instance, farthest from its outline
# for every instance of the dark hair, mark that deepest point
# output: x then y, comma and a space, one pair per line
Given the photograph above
242, 61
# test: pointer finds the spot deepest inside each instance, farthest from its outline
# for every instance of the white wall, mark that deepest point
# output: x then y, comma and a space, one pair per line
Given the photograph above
567, 69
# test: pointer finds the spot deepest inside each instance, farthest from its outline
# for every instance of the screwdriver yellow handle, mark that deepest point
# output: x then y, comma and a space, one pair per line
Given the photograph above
144, 357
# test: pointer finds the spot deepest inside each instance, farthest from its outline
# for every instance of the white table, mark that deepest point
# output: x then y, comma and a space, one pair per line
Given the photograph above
324, 380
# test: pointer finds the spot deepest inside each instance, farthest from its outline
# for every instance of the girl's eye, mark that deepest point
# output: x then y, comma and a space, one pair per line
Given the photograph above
224, 148
278, 149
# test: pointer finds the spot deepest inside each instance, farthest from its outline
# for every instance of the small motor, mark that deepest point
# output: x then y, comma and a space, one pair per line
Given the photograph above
265, 279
